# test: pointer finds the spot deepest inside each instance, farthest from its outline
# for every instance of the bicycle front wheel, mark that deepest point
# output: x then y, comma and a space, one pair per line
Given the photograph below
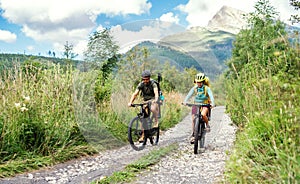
197, 134
135, 132
154, 138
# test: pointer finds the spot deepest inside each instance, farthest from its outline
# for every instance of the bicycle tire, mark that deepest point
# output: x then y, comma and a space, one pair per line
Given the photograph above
199, 134
134, 133
196, 134
202, 135
152, 133
155, 136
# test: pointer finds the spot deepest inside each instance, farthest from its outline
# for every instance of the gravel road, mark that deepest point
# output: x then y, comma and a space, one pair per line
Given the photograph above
182, 166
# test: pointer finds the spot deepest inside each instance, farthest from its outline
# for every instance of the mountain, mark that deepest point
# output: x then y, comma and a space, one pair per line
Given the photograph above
211, 45
228, 19
205, 48
209, 48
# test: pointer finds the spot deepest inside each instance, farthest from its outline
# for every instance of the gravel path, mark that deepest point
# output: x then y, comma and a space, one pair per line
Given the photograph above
182, 166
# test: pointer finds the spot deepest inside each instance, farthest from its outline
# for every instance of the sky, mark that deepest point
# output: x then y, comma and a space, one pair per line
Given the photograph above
35, 27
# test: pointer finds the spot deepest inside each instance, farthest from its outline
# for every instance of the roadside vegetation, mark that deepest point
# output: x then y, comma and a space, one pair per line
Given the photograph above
52, 112
263, 90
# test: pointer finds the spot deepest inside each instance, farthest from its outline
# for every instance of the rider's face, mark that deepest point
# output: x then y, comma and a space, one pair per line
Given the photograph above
200, 84
146, 80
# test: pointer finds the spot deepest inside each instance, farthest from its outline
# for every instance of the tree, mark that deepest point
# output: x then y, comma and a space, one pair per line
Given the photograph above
255, 47
68, 52
102, 53
101, 47
296, 5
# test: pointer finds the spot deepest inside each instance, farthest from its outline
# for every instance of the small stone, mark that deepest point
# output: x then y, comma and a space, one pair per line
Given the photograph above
30, 176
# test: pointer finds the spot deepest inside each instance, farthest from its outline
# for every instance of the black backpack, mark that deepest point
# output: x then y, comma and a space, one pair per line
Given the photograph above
159, 78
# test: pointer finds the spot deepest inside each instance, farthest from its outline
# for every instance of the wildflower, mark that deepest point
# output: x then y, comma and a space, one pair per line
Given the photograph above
23, 109
17, 105
277, 53
26, 98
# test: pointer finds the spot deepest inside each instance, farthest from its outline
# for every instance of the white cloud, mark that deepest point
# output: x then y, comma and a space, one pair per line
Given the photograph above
169, 17
58, 21
152, 30
200, 12
30, 48
127, 38
119, 7
7, 36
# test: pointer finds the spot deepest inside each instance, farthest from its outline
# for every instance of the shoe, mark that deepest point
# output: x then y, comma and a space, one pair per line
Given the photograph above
207, 128
192, 140
201, 150
141, 139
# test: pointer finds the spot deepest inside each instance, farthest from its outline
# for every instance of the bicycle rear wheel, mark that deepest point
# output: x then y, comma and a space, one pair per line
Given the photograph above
135, 132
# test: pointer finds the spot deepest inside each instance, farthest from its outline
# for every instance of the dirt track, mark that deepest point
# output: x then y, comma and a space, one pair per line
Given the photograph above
182, 166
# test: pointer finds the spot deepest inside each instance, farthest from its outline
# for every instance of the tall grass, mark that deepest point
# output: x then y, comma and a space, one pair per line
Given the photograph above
37, 116
266, 108
35, 113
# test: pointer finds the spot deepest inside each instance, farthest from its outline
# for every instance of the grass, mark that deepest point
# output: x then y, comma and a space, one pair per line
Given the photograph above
33, 162
130, 172
266, 109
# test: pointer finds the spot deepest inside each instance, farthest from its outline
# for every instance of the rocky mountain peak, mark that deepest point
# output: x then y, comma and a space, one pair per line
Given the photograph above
228, 19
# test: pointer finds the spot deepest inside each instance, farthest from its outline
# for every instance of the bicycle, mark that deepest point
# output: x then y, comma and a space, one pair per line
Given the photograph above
143, 122
199, 131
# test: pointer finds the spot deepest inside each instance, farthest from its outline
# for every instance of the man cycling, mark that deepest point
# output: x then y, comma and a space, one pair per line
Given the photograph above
203, 95
149, 92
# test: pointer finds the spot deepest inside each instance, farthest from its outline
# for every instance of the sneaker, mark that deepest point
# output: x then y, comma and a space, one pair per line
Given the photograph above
141, 139
207, 128
192, 140
201, 150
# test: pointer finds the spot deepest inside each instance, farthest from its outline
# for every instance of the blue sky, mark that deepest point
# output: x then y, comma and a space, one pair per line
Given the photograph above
38, 26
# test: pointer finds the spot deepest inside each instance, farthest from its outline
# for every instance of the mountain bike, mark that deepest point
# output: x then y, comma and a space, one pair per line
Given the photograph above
199, 131
142, 123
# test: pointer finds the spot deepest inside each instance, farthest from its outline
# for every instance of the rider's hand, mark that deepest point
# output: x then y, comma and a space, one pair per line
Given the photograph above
129, 104
184, 103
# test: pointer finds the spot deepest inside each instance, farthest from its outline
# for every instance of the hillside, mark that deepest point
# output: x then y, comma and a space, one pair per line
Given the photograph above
9, 60
166, 54
209, 48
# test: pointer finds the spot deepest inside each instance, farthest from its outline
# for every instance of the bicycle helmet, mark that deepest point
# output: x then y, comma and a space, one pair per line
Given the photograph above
146, 73
200, 77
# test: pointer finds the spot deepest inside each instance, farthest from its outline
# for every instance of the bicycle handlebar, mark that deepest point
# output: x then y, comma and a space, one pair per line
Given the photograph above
144, 103
196, 104
139, 104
